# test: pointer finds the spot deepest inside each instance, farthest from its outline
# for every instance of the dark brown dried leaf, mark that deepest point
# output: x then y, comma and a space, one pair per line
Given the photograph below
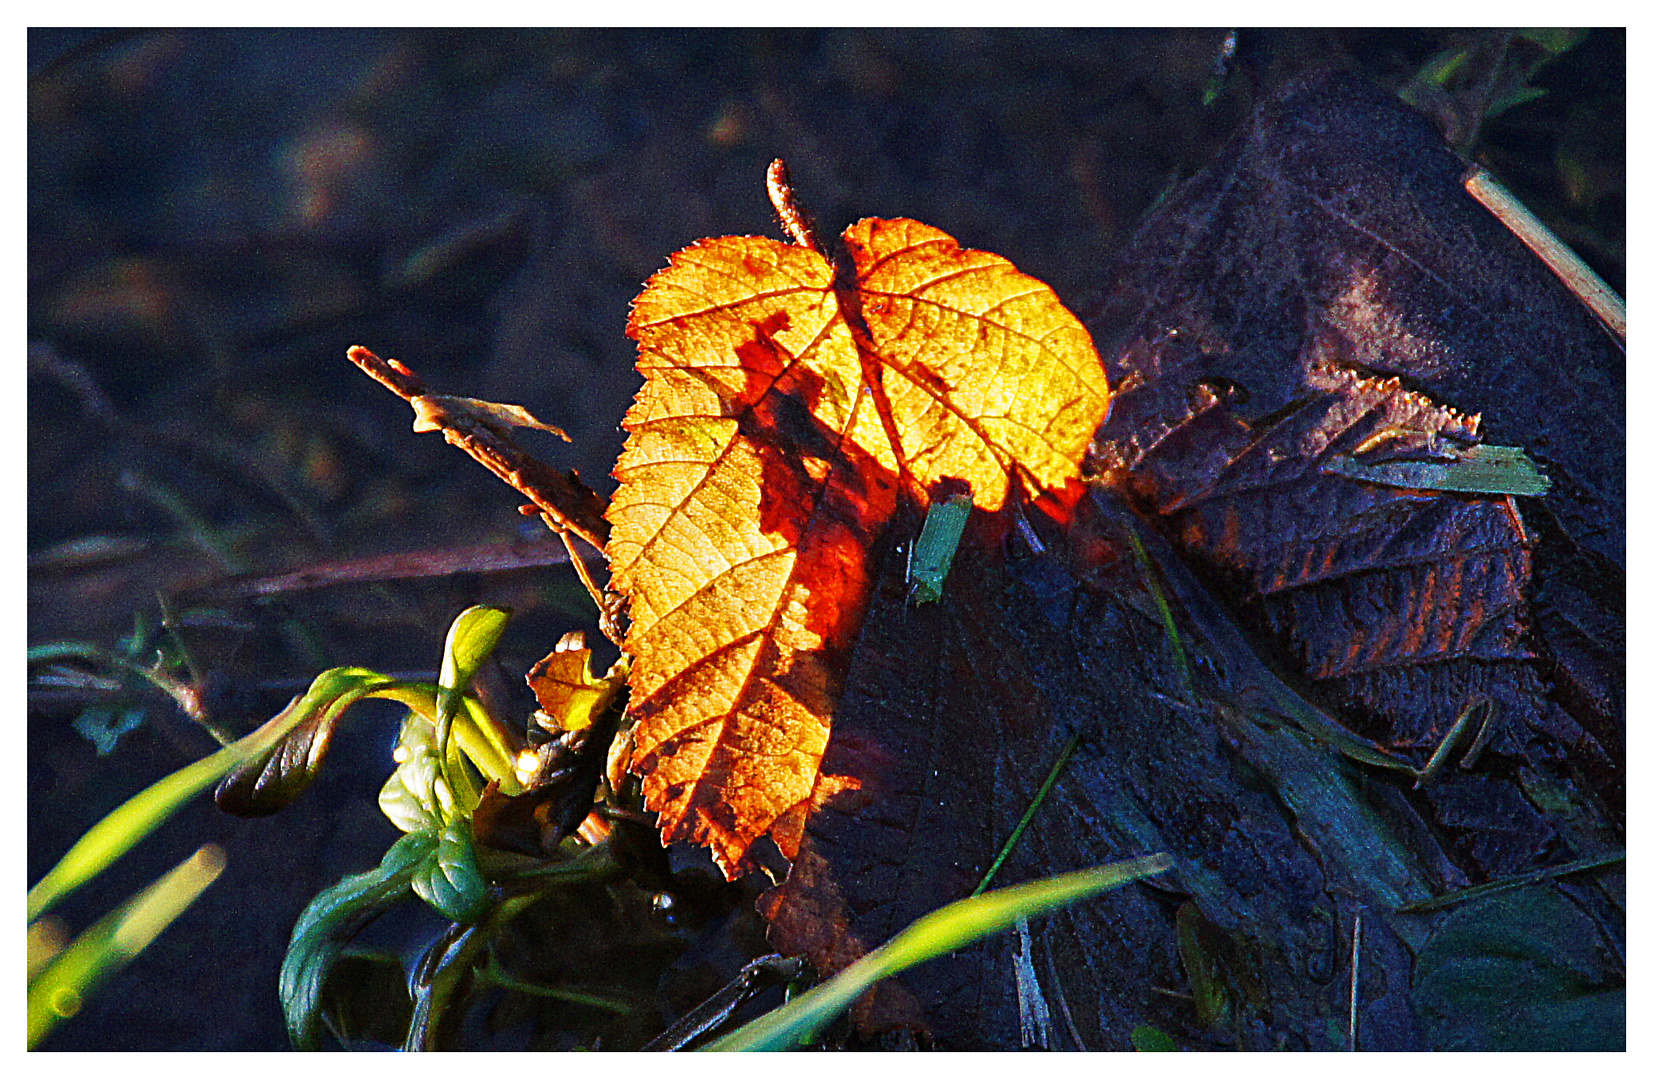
1332, 280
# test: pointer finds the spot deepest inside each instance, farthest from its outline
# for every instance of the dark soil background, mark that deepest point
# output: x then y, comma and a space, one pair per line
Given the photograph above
214, 216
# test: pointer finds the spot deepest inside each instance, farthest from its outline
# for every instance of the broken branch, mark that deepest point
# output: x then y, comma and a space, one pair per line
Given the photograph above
567, 505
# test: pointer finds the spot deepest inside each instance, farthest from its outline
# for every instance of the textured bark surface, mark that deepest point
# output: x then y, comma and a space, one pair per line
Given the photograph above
953, 717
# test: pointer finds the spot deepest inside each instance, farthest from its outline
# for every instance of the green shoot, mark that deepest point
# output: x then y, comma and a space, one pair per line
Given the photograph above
329, 921
59, 990
140, 815
952, 927
1165, 609
471, 640
1482, 707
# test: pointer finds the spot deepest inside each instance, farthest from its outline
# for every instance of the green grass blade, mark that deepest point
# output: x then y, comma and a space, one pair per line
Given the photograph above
950, 928
140, 815
471, 640
108, 945
1577, 866
1173, 638
1028, 815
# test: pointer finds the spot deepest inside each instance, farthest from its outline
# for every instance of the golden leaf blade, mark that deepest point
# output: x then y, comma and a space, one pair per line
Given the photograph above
733, 678
994, 374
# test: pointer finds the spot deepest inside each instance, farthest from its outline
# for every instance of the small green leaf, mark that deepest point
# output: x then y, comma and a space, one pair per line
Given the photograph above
952, 927
932, 554
471, 640
1441, 68
421, 795
1554, 40
400, 801
1524, 970
332, 919
103, 728
409, 798
450, 879
1146, 1038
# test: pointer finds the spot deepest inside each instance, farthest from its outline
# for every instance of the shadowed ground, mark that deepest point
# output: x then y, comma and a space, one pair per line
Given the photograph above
214, 216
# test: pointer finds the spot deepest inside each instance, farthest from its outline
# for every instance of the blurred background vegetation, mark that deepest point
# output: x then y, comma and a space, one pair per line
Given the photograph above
215, 215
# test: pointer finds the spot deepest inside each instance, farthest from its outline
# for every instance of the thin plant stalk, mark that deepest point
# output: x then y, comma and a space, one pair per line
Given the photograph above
952, 927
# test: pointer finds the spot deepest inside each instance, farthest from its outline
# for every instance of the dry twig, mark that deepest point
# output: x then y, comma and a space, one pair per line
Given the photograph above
564, 503
569, 505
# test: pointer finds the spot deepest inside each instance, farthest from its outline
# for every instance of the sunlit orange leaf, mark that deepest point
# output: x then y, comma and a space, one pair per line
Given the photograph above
566, 688
782, 416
